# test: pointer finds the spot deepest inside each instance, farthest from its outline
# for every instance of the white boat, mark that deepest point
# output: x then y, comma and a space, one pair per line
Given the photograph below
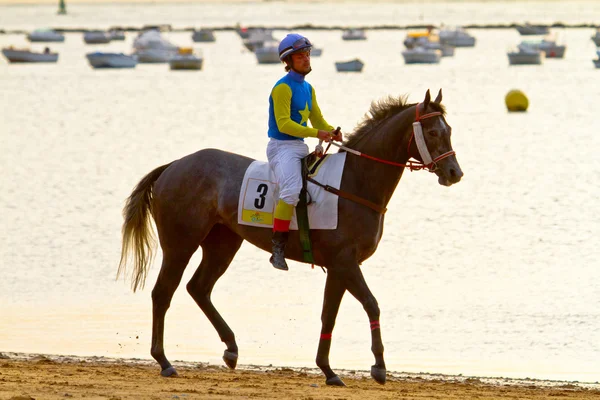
268, 54
258, 38
27, 56
596, 38
422, 55
456, 37
355, 65
525, 56
354, 34
528, 29
548, 46
111, 60
151, 47
203, 35
45, 35
96, 37
186, 59
116, 34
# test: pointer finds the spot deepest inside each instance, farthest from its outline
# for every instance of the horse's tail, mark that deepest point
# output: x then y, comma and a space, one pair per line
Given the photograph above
137, 232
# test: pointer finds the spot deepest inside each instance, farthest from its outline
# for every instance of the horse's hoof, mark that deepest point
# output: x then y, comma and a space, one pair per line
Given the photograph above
230, 359
169, 372
378, 374
335, 381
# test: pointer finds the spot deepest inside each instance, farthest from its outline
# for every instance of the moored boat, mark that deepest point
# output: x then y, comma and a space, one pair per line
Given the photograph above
354, 34
45, 35
422, 55
186, 59
529, 30
100, 59
27, 56
355, 65
456, 37
525, 56
203, 35
96, 37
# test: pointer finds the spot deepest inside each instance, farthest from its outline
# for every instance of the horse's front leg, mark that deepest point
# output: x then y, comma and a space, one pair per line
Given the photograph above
334, 291
356, 284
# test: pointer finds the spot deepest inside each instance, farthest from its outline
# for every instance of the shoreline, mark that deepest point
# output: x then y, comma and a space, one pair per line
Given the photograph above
40, 377
169, 28
313, 371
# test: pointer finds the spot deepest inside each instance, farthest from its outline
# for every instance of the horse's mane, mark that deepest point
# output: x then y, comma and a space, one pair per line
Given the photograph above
380, 111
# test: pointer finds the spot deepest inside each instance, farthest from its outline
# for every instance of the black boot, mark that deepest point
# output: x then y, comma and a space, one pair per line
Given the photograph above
278, 258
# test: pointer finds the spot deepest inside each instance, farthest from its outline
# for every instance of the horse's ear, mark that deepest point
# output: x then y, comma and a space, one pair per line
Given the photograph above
427, 100
438, 98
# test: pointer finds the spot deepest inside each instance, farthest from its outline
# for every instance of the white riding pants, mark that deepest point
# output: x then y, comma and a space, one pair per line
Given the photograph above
285, 159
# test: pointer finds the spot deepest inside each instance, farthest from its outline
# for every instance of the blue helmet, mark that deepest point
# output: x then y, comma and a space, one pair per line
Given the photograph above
293, 43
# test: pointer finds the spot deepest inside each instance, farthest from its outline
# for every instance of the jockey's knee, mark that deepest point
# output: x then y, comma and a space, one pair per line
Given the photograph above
290, 196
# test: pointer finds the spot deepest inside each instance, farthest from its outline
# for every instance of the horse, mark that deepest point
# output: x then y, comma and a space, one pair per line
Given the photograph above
194, 203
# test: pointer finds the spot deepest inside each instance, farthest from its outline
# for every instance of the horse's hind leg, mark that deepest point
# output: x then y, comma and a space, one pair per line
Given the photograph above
173, 264
218, 250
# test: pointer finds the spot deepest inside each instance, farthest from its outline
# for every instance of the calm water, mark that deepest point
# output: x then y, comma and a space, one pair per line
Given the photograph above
496, 276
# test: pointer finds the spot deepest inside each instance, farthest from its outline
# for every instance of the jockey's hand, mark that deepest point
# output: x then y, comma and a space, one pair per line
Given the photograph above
337, 135
324, 136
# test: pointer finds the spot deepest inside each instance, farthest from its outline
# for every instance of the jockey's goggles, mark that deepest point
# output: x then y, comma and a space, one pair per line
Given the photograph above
301, 43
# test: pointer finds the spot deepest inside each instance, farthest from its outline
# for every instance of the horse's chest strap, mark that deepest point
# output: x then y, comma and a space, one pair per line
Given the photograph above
349, 196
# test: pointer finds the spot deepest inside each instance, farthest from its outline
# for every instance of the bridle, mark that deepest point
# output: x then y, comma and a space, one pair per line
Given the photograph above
428, 163
413, 165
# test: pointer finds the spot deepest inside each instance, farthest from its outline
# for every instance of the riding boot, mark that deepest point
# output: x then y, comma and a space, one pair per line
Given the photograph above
278, 258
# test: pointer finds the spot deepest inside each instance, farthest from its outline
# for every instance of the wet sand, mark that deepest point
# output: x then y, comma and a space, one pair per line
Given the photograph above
25, 377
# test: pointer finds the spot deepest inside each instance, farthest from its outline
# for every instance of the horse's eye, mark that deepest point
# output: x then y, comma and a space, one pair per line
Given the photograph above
433, 133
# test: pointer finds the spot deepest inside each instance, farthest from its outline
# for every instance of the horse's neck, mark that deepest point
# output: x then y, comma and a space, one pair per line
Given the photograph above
389, 141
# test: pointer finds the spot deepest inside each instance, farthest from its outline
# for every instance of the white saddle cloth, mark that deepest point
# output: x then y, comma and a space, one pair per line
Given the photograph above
260, 192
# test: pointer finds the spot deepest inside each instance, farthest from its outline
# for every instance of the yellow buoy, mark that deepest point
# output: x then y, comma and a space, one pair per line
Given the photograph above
516, 101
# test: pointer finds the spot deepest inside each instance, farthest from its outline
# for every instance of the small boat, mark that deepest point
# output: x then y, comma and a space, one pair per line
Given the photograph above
45, 35
116, 34
525, 56
258, 38
96, 37
456, 37
316, 52
27, 56
422, 55
597, 62
111, 60
427, 40
185, 59
355, 65
596, 38
151, 47
528, 30
203, 35
354, 34
548, 46
268, 54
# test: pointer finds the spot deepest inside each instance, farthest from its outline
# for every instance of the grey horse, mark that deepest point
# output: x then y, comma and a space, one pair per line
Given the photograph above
194, 203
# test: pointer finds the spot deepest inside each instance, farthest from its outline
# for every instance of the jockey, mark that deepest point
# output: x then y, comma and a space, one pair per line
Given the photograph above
292, 103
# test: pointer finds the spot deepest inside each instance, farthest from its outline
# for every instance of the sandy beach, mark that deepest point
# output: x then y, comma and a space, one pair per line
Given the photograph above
39, 377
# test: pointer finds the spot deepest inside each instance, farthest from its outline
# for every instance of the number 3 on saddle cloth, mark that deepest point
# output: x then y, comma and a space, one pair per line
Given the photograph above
259, 194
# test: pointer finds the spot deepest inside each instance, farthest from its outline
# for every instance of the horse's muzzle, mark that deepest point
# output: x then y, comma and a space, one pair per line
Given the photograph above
449, 172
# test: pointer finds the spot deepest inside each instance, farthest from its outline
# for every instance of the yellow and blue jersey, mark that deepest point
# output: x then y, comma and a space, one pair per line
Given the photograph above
292, 103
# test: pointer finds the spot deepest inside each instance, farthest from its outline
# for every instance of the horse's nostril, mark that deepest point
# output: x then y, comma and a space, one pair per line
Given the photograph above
453, 173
